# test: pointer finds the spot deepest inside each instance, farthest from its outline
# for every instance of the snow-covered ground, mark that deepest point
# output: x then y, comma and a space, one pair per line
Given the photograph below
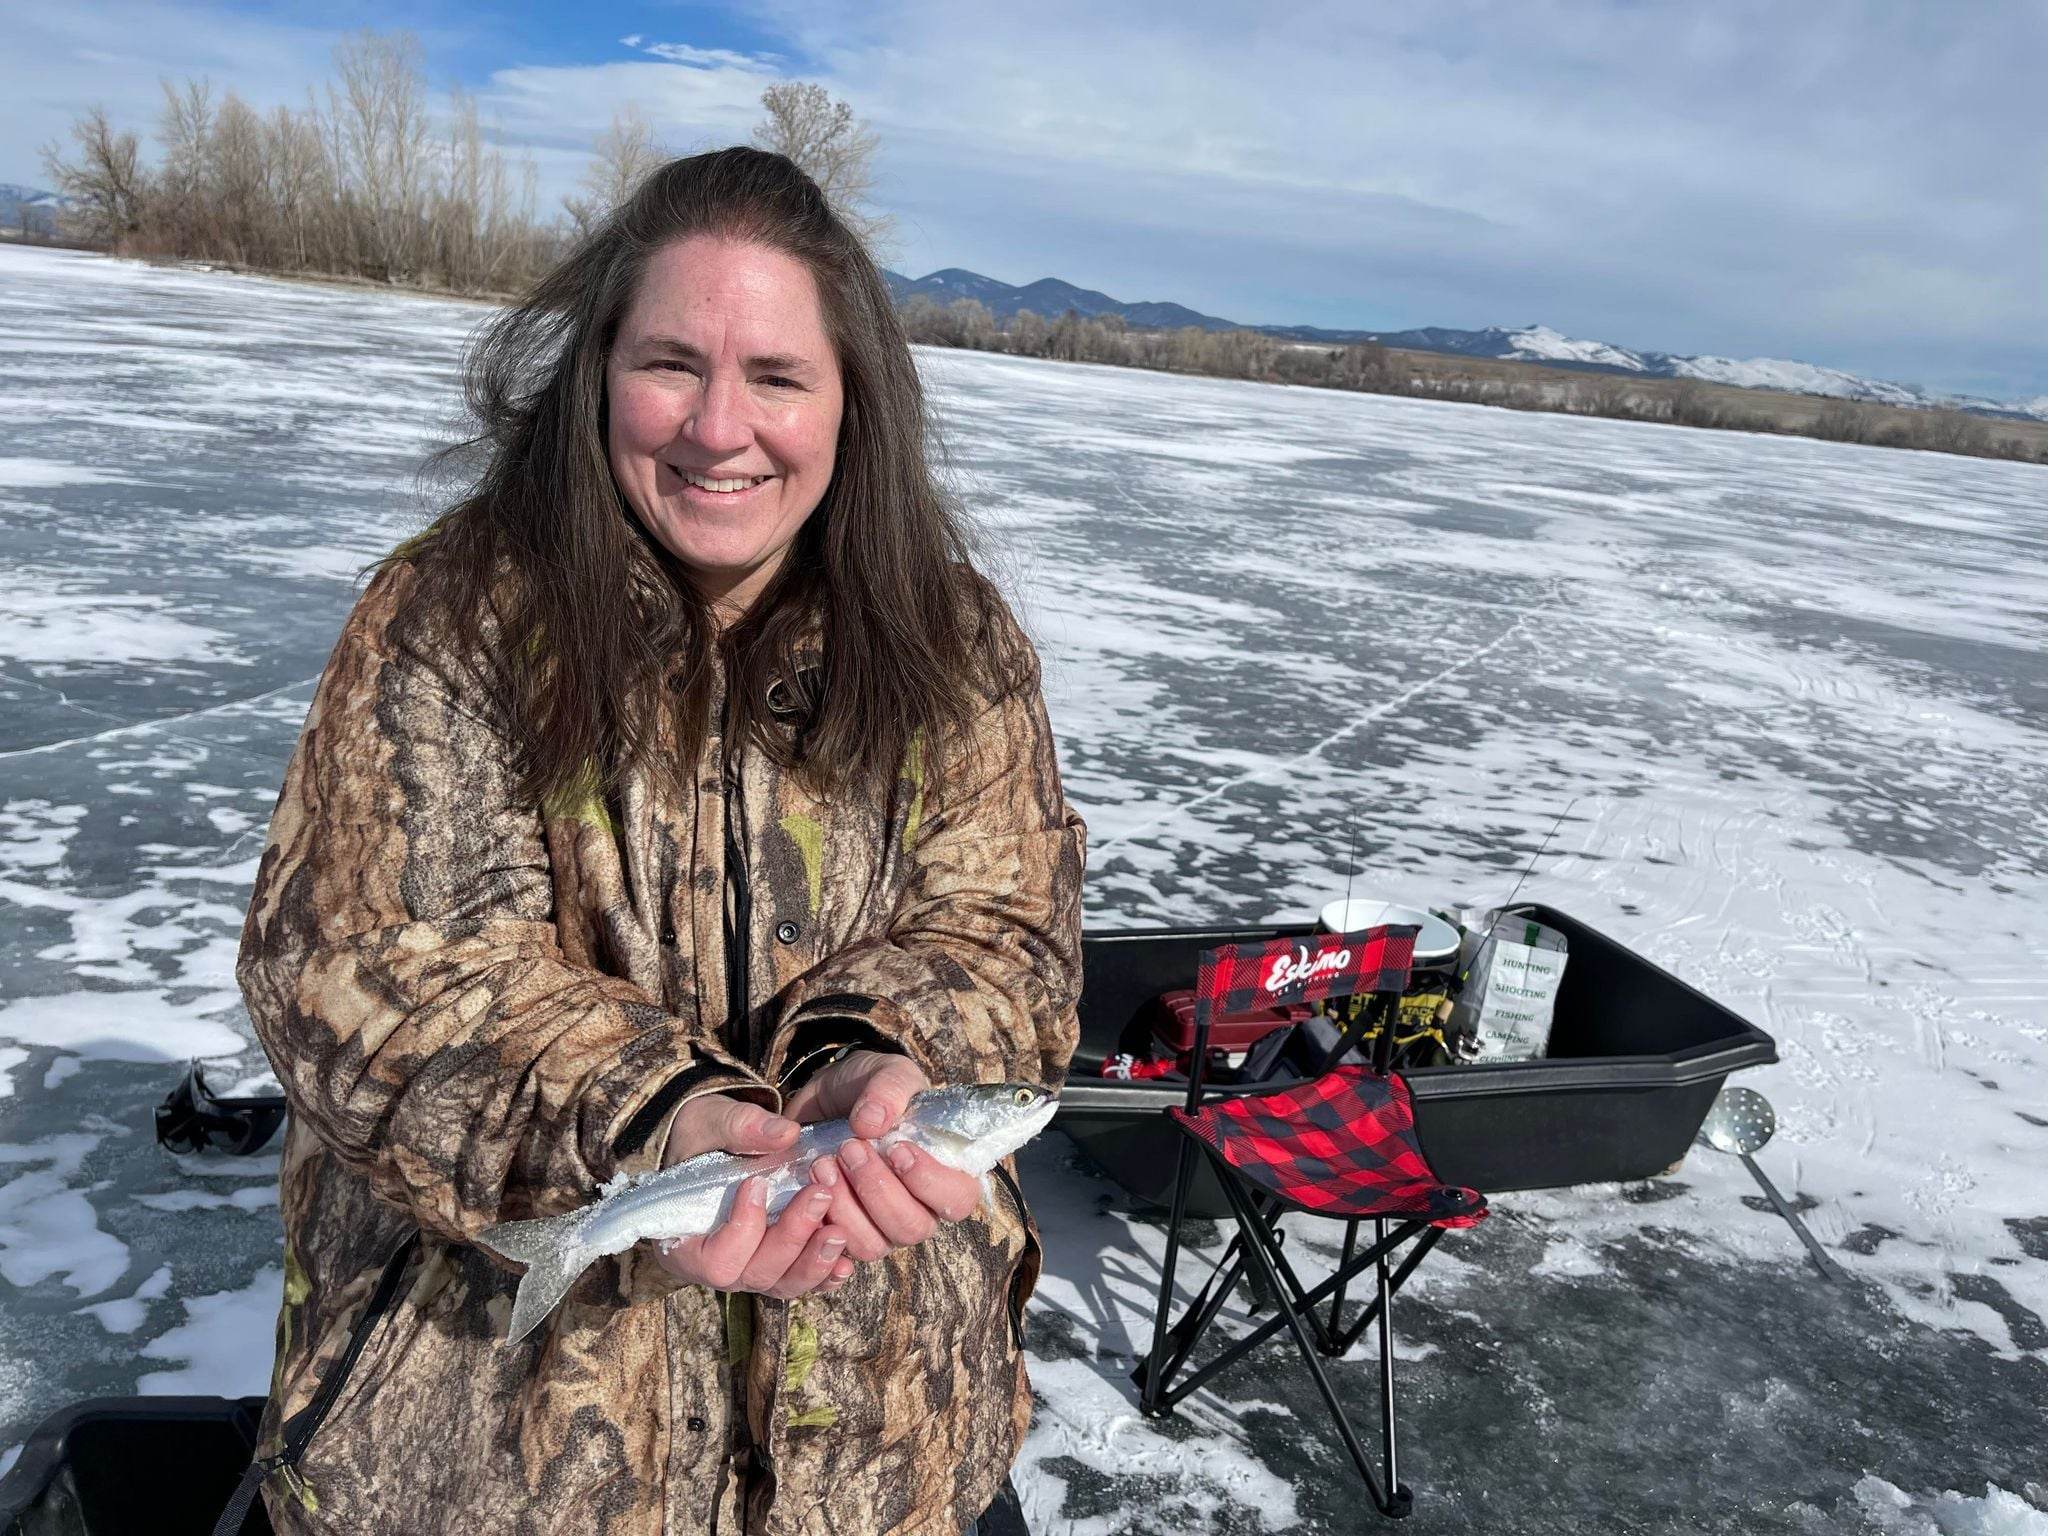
1788, 696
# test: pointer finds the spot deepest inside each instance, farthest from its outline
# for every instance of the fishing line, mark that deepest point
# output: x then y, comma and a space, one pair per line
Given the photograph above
1350, 865
1540, 849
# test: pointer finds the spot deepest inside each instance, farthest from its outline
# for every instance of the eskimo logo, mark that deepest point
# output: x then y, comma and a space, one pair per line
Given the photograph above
1297, 970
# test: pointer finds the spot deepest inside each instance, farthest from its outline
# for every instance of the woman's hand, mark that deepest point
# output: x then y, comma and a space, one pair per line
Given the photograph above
792, 1255
899, 1198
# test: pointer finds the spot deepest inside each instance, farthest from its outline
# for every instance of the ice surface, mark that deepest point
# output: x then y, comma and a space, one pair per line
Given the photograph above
1792, 693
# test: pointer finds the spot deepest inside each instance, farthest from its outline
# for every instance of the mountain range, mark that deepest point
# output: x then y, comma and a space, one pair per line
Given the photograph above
1051, 297
40, 208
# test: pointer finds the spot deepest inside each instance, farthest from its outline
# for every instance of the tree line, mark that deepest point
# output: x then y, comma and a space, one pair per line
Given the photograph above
1374, 369
365, 181
360, 182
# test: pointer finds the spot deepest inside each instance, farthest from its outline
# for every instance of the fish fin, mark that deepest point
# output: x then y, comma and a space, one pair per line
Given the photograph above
554, 1261
988, 1192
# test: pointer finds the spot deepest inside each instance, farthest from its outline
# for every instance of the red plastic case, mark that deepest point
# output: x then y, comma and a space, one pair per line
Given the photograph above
1173, 1023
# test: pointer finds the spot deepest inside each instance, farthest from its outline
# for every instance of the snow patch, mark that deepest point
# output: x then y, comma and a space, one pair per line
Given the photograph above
44, 626
60, 1069
48, 1228
43, 474
127, 1313
226, 1342
1893, 1512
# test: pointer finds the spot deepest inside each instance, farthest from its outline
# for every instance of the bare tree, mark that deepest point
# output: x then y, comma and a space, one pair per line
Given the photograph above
476, 231
105, 184
352, 184
380, 119
1029, 333
238, 171
624, 154
835, 149
296, 169
1841, 421
184, 127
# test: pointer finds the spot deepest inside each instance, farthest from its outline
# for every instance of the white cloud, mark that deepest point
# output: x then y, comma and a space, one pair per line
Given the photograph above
1829, 181
557, 112
1828, 178
711, 58
61, 59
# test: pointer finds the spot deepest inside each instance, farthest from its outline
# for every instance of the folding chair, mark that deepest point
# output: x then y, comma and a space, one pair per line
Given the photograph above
1340, 1144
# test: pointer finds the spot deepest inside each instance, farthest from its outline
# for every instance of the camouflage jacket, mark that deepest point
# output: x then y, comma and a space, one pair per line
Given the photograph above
481, 1011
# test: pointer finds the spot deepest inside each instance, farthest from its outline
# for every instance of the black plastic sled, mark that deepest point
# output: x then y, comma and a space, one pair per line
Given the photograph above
122, 1466
1635, 1060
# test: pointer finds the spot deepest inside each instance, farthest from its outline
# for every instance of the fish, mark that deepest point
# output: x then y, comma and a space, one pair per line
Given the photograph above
971, 1127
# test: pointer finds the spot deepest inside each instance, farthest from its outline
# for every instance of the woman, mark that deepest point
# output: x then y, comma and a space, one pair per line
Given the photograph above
684, 773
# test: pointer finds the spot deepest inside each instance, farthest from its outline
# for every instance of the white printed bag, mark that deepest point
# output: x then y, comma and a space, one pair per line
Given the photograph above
1510, 991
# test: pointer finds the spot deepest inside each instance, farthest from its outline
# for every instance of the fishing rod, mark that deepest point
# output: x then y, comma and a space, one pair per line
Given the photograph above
1541, 849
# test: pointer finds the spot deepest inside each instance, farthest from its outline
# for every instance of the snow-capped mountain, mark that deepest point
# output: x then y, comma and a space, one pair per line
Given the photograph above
1528, 343
28, 207
1542, 344
1539, 343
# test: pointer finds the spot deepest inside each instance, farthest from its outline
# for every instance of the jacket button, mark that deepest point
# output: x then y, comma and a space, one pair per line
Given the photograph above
696, 1423
787, 932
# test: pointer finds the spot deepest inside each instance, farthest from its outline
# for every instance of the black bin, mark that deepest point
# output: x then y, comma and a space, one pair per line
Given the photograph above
118, 1466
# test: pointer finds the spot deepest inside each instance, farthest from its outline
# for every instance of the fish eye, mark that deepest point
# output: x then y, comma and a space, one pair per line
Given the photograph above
1024, 1095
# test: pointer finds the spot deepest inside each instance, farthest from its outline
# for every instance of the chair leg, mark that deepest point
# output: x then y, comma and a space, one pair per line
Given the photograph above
1371, 1314
1162, 1365
1154, 1383
1262, 1259
1201, 1312
1310, 1317
1397, 1495
1332, 1346
1305, 1304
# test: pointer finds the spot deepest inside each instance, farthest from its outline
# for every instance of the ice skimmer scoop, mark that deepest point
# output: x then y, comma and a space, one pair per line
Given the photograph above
1740, 1122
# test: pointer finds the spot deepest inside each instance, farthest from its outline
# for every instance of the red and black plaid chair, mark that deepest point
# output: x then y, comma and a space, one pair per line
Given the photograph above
1340, 1144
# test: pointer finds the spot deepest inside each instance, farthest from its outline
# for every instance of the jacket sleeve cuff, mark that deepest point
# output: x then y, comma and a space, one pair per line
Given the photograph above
643, 1127
866, 1023
817, 1041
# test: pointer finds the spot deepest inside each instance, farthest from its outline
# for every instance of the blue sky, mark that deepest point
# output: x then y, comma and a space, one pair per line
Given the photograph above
1859, 185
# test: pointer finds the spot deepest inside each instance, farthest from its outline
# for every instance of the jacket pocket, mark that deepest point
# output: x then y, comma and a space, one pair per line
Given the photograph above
297, 1432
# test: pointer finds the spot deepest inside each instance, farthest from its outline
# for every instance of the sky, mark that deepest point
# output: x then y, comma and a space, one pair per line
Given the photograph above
1858, 185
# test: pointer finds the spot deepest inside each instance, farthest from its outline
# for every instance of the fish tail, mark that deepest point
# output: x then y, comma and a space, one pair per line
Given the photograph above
554, 1261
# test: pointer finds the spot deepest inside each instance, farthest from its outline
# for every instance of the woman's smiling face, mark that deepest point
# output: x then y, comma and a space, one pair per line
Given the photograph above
725, 401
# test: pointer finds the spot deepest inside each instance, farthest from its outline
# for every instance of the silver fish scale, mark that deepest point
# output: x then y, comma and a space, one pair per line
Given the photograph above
694, 1196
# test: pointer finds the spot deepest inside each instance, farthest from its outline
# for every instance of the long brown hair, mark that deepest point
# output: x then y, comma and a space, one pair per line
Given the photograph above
595, 629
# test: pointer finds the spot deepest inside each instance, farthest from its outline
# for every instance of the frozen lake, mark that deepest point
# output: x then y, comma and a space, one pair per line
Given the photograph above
1789, 698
